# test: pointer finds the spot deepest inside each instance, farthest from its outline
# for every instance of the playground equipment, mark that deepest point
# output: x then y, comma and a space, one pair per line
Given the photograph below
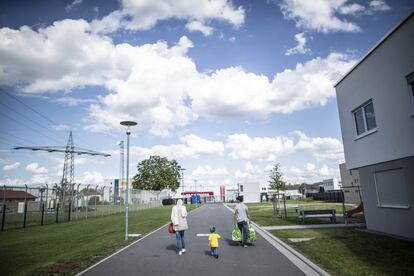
356, 210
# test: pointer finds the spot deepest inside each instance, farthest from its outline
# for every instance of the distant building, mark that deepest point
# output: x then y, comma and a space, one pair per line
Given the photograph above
376, 112
12, 196
350, 184
250, 191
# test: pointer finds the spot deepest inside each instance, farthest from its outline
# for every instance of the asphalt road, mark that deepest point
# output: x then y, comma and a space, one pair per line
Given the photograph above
157, 255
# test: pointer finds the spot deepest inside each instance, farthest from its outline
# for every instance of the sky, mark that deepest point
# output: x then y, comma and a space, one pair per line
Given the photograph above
226, 88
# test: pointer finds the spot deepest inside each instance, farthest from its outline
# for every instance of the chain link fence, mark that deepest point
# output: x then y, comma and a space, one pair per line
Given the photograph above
25, 206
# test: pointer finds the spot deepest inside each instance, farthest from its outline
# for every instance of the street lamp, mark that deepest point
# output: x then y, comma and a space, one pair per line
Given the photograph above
128, 124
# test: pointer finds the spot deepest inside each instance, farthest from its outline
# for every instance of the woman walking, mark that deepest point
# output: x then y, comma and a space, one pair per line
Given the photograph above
179, 220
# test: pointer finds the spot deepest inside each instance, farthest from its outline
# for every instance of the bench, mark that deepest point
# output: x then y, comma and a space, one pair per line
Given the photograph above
324, 213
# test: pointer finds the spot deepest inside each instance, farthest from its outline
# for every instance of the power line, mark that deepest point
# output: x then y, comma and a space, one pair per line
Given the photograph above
29, 119
40, 114
29, 127
5, 142
16, 137
32, 109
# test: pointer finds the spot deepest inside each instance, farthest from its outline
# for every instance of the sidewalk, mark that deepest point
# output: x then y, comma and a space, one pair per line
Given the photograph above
313, 226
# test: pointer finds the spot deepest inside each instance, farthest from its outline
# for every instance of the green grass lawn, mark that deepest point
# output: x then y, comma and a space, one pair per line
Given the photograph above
263, 214
353, 252
67, 248
15, 220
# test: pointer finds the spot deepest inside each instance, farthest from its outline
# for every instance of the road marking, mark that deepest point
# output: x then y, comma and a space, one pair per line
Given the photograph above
202, 235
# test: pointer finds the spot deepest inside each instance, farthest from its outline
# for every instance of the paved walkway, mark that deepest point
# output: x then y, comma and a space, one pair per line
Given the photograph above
156, 254
313, 226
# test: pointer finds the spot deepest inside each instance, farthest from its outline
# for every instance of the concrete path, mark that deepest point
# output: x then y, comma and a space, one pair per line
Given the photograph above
156, 254
313, 226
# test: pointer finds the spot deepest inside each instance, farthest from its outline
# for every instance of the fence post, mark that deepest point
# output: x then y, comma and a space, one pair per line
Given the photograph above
70, 210
25, 207
57, 212
43, 213
3, 216
343, 208
96, 192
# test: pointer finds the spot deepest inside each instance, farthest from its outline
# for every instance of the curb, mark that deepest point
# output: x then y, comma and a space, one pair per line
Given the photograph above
302, 262
122, 249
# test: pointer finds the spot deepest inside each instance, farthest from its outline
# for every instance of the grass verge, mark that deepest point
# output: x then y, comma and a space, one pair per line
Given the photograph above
353, 252
70, 247
262, 213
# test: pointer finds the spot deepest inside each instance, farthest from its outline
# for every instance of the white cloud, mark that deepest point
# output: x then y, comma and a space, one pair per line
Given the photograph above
232, 92
251, 172
318, 15
35, 168
75, 3
208, 172
300, 47
91, 177
157, 83
328, 15
40, 175
11, 167
39, 179
325, 148
310, 173
241, 146
70, 101
61, 127
51, 62
351, 9
379, 5
199, 26
12, 181
192, 147
144, 14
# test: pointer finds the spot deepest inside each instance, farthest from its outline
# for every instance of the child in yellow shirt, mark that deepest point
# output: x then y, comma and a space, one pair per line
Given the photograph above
213, 242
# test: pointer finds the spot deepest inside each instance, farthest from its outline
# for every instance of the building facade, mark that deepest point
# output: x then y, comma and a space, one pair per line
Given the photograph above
350, 184
376, 111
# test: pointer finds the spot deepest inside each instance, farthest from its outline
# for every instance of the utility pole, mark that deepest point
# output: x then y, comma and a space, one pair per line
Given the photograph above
195, 189
121, 168
182, 178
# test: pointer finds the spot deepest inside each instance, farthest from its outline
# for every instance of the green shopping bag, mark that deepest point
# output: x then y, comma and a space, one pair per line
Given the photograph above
251, 233
236, 234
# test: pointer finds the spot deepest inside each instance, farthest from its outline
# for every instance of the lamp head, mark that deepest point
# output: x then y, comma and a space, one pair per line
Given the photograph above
128, 123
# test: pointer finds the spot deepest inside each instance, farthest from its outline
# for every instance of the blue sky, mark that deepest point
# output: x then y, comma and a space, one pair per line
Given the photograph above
227, 88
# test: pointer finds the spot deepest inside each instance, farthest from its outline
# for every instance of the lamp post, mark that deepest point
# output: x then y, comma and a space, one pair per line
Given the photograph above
128, 124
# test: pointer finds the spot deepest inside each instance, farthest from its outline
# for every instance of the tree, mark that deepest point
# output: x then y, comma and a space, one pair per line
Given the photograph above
157, 173
276, 179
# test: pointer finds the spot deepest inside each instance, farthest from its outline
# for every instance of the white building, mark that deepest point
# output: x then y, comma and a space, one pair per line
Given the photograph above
376, 111
330, 184
250, 191
350, 184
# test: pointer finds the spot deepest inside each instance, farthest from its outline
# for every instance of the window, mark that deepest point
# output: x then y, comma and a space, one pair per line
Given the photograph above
410, 81
241, 188
391, 188
264, 189
365, 118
